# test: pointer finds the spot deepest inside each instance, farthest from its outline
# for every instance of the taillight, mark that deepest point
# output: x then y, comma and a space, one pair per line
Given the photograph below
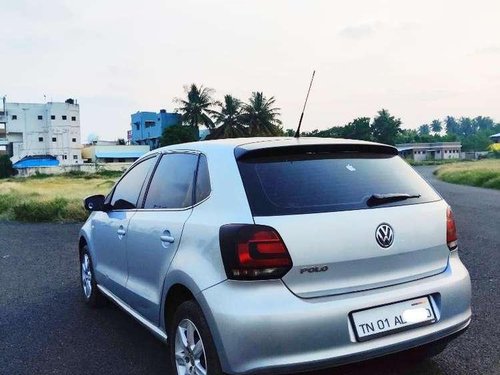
253, 252
451, 230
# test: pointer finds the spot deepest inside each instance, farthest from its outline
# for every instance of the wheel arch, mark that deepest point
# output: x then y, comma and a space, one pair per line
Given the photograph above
176, 295
82, 242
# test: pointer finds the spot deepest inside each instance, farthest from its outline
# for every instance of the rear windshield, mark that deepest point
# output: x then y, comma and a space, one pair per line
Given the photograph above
312, 183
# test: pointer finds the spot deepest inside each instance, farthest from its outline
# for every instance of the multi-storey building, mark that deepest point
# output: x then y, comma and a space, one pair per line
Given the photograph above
147, 127
45, 129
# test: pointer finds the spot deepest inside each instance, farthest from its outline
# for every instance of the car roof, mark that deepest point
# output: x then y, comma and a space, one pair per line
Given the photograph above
245, 145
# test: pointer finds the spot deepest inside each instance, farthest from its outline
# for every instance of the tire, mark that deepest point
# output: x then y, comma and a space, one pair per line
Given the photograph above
91, 295
189, 318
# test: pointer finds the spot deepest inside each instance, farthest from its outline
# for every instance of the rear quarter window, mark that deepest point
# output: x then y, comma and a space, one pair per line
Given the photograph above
313, 183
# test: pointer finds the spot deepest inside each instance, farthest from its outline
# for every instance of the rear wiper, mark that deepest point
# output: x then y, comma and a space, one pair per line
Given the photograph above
377, 199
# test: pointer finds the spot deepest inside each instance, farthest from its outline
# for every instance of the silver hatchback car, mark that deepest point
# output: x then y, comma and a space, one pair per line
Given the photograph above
276, 255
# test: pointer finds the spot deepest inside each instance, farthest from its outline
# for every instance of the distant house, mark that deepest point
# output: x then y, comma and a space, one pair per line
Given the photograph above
41, 134
495, 138
106, 153
430, 151
147, 127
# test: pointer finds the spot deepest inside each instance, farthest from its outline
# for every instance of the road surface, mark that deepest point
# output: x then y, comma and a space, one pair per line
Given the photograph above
46, 329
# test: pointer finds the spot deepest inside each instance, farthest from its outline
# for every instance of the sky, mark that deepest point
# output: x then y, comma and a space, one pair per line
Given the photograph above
421, 60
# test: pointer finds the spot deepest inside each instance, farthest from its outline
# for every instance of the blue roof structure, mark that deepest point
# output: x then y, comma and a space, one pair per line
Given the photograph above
36, 161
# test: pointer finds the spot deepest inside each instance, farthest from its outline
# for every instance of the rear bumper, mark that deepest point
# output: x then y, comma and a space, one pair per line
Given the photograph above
261, 327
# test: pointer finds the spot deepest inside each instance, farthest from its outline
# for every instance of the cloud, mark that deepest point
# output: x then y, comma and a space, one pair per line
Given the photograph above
490, 50
360, 31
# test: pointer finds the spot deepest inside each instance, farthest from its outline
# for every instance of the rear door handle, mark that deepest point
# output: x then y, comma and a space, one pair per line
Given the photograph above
167, 237
121, 231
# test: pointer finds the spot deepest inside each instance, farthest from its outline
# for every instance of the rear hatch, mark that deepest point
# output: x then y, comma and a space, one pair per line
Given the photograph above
329, 203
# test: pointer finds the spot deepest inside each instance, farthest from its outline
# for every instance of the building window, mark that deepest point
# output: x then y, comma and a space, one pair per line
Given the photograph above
73, 140
137, 126
73, 118
40, 117
54, 139
14, 117
65, 157
64, 117
149, 124
75, 157
40, 139
52, 117
438, 152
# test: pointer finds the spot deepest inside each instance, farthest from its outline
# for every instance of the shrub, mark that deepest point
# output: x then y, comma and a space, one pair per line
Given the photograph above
7, 201
6, 169
40, 211
109, 174
40, 176
75, 212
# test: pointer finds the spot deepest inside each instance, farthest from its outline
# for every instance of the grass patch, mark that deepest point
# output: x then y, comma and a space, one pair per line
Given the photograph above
39, 211
52, 198
483, 173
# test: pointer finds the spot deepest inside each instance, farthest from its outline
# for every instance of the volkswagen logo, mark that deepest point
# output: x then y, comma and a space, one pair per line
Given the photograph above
384, 235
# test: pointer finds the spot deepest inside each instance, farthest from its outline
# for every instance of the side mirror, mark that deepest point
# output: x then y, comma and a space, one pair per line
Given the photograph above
94, 203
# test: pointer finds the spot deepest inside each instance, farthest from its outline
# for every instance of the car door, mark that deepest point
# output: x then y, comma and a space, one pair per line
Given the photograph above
110, 227
155, 231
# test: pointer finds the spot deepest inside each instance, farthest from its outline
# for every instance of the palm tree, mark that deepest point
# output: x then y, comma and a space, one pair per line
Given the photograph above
196, 110
436, 126
261, 116
229, 120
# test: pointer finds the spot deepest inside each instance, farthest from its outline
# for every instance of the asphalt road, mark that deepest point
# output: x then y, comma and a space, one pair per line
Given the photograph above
46, 329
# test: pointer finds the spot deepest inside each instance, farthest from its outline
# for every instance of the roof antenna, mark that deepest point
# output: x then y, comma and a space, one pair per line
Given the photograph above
297, 133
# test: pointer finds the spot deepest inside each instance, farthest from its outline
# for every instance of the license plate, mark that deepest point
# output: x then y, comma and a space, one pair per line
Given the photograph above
384, 320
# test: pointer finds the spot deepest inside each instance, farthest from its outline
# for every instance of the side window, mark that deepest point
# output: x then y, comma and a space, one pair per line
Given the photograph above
127, 191
203, 180
172, 183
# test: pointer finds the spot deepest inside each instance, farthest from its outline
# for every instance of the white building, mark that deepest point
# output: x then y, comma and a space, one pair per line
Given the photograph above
32, 129
430, 151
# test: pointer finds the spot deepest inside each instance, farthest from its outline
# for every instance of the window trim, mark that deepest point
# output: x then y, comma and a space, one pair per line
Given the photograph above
166, 152
109, 197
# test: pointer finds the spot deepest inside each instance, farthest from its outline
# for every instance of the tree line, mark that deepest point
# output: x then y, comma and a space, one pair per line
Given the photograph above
473, 133
259, 116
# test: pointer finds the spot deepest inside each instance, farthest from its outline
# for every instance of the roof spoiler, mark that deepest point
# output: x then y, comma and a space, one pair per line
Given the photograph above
242, 153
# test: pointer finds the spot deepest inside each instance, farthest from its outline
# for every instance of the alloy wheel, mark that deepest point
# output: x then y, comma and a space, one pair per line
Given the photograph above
190, 356
86, 276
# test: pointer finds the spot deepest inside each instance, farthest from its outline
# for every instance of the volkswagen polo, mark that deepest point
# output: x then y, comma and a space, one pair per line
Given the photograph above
276, 255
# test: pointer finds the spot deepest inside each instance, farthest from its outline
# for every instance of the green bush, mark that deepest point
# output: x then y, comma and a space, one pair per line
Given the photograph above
6, 169
41, 211
109, 174
494, 183
7, 201
39, 176
75, 174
